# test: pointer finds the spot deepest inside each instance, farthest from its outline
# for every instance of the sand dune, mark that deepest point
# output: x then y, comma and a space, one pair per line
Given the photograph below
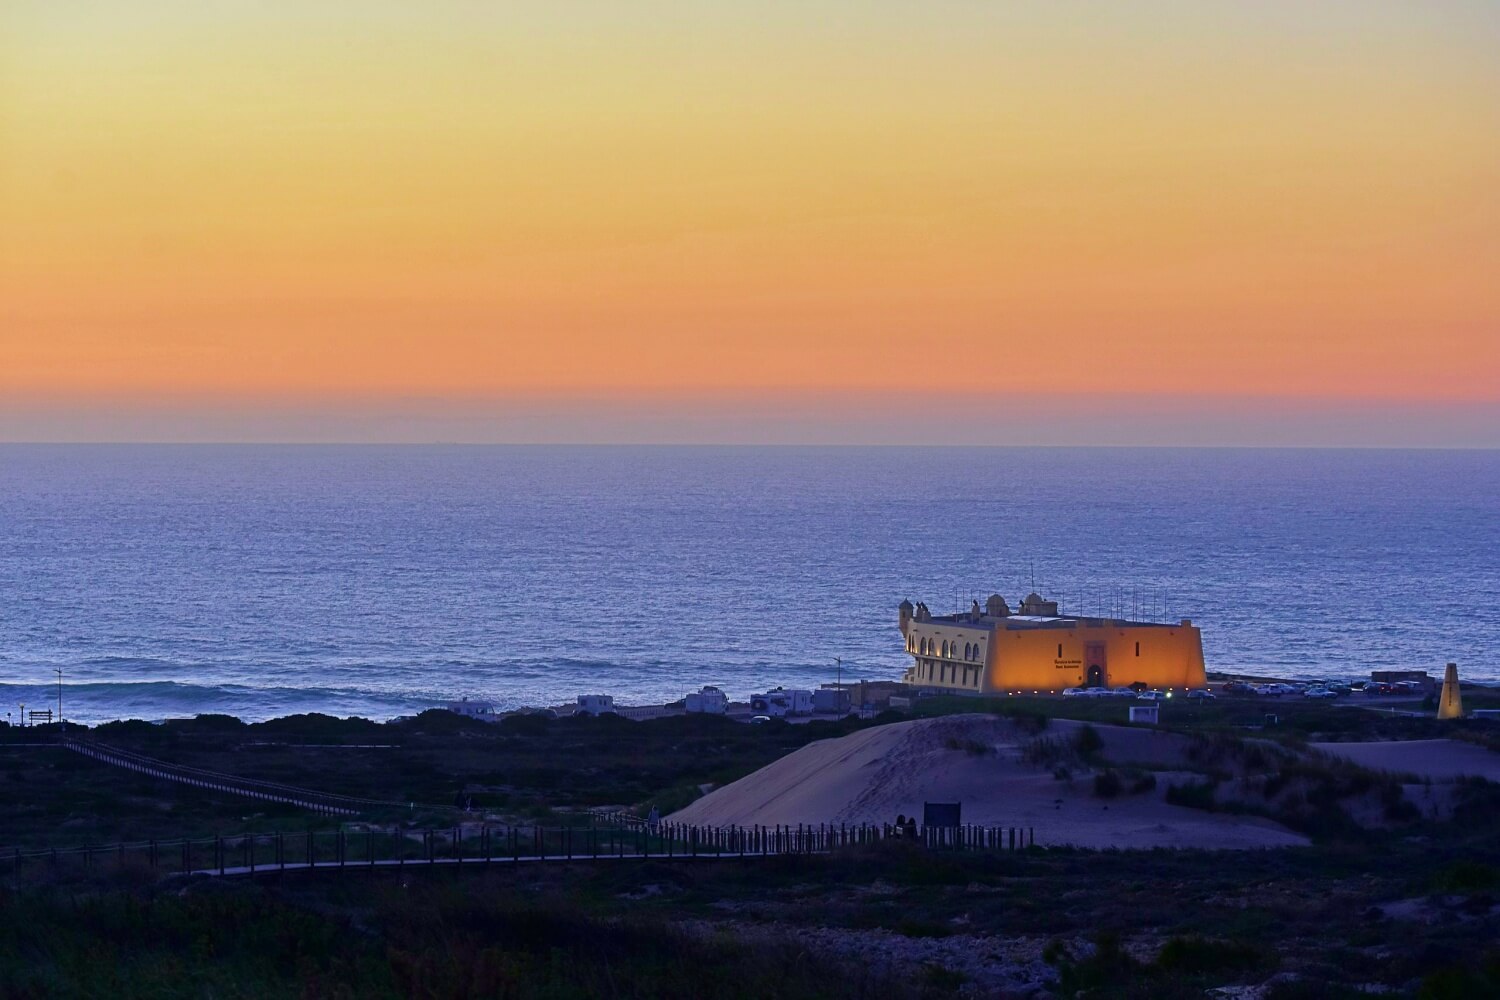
1441, 760
873, 775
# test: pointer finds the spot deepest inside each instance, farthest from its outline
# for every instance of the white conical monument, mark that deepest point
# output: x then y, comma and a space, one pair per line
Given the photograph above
1450, 704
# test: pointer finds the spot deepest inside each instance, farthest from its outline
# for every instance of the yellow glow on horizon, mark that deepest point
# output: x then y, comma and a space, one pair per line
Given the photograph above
1191, 198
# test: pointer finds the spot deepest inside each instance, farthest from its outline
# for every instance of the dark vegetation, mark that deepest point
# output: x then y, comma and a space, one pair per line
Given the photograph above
1184, 966
422, 938
526, 767
1411, 904
1144, 924
1296, 720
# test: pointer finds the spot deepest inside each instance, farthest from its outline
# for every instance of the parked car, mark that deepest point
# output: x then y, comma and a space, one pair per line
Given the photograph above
1119, 693
1150, 696
759, 720
1201, 694
1319, 692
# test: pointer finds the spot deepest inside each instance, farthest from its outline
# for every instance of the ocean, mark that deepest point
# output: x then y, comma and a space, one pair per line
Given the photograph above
260, 581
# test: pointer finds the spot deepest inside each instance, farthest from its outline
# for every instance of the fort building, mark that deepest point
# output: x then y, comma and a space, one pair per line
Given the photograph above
992, 650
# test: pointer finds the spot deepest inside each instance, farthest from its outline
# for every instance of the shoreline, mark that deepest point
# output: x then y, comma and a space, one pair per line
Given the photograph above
740, 711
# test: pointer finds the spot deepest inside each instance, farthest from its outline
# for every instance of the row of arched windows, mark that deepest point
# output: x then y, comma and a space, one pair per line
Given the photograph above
935, 672
931, 647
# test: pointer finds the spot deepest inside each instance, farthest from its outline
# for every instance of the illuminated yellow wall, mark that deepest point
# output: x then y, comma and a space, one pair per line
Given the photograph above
1027, 659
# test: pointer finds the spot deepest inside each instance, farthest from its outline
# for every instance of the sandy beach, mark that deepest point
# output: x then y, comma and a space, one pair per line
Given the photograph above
875, 774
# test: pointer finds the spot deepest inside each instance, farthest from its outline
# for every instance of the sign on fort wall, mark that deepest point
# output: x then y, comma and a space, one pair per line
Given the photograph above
1067, 664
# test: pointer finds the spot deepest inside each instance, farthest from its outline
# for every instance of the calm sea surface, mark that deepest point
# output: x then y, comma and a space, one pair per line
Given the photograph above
262, 581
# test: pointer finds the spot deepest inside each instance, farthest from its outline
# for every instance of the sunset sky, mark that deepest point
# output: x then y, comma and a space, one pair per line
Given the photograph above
1040, 223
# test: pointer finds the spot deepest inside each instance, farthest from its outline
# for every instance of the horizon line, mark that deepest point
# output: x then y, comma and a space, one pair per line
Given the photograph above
738, 445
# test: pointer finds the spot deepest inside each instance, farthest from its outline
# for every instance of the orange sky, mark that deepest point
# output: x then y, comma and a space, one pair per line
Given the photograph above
350, 206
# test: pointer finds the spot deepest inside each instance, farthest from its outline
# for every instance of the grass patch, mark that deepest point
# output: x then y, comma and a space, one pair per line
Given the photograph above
1194, 795
1200, 956
1467, 876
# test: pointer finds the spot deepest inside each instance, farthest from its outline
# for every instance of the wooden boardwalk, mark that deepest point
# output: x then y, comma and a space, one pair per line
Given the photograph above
322, 803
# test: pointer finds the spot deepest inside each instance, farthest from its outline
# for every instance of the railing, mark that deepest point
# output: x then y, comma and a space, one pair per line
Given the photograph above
371, 846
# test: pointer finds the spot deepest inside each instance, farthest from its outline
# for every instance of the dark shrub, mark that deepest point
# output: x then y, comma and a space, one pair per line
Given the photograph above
525, 724
1467, 876
1202, 955
1193, 795
1027, 721
1461, 982
1476, 802
1108, 967
1107, 784
207, 723
1088, 741
1397, 808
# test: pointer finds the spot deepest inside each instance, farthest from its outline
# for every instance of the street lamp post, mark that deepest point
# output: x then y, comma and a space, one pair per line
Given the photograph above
60, 724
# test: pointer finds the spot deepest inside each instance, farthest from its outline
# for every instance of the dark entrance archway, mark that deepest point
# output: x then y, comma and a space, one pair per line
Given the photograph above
1094, 659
